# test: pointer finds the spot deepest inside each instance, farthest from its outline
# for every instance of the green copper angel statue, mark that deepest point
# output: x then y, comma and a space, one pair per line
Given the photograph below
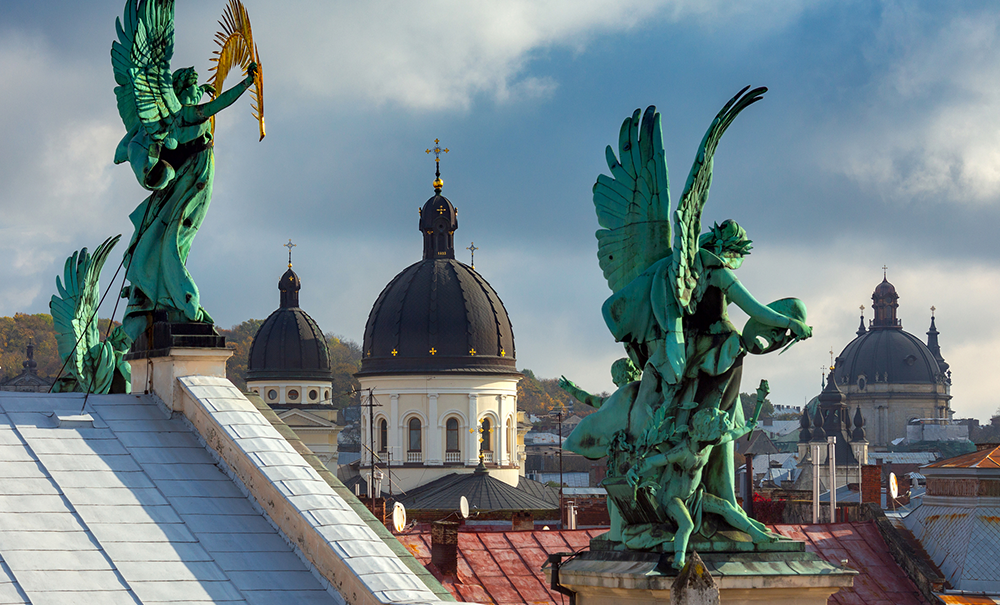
169, 147
91, 365
671, 286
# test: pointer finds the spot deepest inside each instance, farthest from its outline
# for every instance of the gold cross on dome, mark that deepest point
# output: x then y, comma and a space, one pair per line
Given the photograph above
472, 248
394, 351
289, 245
502, 352
472, 351
437, 150
441, 210
433, 351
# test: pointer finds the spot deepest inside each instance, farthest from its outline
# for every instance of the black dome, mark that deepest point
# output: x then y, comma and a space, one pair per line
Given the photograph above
289, 344
438, 316
886, 353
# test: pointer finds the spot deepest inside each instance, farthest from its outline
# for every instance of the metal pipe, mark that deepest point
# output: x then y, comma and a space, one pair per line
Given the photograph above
555, 561
815, 494
831, 445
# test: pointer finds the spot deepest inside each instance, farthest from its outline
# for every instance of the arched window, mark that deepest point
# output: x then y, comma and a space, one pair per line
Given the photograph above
487, 442
383, 435
414, 440
451, 435
511, 439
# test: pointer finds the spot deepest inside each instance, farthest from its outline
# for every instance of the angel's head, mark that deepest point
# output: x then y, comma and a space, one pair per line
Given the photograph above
186, 86
728, 241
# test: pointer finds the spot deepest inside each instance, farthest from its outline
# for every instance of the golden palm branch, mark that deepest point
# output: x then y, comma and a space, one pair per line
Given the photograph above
236, 47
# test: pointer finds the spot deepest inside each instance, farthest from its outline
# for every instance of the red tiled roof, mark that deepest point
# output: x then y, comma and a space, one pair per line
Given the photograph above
506, 567
982, 459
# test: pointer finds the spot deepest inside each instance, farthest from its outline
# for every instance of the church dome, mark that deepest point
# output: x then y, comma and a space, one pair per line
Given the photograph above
886, 353
438, 315
289, 344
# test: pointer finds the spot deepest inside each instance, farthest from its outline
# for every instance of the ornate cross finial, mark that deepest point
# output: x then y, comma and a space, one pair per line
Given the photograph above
862, 307
289, 245
933, 309
472, 248
884, 268
438, 183
831, 359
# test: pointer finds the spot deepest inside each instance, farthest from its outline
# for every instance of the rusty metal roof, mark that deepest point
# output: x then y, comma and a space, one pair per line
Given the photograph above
989, 458
506, 567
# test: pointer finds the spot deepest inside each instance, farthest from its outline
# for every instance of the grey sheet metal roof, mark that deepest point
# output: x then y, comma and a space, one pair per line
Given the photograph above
129, 507
482, 491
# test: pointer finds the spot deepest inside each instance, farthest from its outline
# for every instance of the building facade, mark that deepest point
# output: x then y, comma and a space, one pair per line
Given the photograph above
438, 374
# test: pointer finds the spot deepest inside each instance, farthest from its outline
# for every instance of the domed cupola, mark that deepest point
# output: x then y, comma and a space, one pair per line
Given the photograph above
886, 353
289, 344
438, 315
884, 304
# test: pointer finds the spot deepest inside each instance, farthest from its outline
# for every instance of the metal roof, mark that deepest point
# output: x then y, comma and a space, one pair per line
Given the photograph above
481, 490
988, 458
123, 504
506, 567
963, 541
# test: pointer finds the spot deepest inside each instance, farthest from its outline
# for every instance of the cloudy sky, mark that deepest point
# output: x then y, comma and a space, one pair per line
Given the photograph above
876, 144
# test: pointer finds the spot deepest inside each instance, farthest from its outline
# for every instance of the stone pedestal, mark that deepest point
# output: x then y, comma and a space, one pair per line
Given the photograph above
157, 373
784, 575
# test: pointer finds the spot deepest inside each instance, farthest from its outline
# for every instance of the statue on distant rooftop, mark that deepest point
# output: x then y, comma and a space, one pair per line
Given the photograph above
91, 366
169, 146
668, 437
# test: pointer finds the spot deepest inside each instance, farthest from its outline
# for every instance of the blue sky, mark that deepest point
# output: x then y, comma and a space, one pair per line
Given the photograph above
876, 144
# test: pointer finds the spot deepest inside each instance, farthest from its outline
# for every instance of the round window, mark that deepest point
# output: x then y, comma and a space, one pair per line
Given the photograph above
272, 394
293, 395
313, 395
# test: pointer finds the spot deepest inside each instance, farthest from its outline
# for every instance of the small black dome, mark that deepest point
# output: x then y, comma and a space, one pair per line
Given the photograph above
289, 344
438, 316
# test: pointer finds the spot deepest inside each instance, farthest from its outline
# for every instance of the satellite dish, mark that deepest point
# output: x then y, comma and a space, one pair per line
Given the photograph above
398, 517
893, 486
463, 507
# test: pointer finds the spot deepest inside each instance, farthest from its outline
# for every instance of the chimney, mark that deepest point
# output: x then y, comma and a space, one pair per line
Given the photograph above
522, 521
444, 547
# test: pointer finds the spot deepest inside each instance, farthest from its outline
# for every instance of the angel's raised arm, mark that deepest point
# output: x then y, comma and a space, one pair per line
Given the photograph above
196, 114
737, 293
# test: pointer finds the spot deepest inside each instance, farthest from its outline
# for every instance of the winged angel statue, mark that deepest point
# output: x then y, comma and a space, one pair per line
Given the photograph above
93, 366
169, 146
669, 436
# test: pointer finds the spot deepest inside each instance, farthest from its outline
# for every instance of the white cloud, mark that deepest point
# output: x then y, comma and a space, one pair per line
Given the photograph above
930, 127
443, 54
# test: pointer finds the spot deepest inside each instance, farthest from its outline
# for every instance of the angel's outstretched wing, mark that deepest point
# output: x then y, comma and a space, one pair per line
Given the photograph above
687, 218
141, 62
73, 313
634, 205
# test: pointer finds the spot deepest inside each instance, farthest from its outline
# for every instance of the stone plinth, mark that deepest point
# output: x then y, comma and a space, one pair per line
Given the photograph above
157, 373
775, 577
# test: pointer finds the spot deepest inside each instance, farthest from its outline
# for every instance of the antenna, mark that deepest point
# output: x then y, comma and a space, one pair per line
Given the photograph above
463, 507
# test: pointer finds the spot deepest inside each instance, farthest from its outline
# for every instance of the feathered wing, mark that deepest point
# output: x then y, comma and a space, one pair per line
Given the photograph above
633, 204
74, 317
140, 58
687, 218
236, 47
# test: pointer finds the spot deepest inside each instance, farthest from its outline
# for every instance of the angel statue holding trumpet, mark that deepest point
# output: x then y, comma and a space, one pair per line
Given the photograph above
669, 435
169, 145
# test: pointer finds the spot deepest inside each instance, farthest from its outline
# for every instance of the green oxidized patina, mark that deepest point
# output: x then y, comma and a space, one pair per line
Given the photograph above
91, 366
169, 146
669, 435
